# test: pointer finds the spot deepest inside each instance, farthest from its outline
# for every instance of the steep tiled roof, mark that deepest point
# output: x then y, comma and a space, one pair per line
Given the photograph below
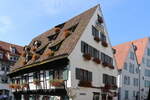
121, 53
64, 44
5, 48
123, 49
141, 45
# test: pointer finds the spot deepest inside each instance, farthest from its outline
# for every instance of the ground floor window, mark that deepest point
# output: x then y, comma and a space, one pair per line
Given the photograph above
96, 96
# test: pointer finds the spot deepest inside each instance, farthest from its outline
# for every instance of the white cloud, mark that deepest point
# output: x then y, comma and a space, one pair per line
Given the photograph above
5, 24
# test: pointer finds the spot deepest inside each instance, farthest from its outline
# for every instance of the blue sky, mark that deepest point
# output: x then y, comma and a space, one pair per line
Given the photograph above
22, 20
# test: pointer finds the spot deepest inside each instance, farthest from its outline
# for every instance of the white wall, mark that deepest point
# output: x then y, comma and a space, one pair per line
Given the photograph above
77, 61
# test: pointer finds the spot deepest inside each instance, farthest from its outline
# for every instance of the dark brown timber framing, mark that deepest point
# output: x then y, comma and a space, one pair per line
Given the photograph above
56, 62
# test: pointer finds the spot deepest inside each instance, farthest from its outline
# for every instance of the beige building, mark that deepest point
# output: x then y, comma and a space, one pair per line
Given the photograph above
72, 61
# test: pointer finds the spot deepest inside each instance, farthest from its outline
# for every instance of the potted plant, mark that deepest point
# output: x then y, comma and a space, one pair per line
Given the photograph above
50, 53
57, 82
66, 33
85, 84
87, 56
97, 39
25, 85
104, 43
33, 48
11, 86
104, 64
110, 66
17, 86
97, 60
35, 57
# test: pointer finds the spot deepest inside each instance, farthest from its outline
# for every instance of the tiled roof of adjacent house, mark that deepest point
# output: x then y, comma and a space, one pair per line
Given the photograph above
121, 53
57, 41
5, 48
123, 49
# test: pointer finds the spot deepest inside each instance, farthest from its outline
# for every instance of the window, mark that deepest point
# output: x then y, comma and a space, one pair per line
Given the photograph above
125, 66
1, 55
147, 83
72, 29
126, 95
131, 68
83, 75
103, 37
147, 73
106, 59
148, 52
58, 74
96, 96
137, 70
13, 50
87, 49
126, 80
135, 82
148, 62
107, 79
95, 32
132, 55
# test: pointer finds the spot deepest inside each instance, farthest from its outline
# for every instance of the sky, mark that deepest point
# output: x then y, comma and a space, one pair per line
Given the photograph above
22, 20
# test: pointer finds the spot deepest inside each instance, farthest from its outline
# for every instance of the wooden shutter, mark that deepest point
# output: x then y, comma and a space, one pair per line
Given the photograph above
65, 74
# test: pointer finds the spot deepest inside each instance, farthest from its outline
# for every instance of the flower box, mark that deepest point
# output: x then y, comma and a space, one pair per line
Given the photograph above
105, 64
104, 43
57, 29
97, 39
33, 49
35, 57
50, 53
87, 56
57, 83
97, 60
36, 82
66, 33
17, 86
85, 84
25, 85
11, 86
110, 66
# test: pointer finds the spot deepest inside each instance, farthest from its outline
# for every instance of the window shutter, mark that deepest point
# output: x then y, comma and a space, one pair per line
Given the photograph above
65, 74
50, 75
78, 73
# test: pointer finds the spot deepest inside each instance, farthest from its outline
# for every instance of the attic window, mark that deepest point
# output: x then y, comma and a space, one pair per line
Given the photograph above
60, 25
72, 29
26, 48
56, 47
13, 50
37, 43
52, 37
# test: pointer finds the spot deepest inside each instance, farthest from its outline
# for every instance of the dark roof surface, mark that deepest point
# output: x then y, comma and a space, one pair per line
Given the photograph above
64, 44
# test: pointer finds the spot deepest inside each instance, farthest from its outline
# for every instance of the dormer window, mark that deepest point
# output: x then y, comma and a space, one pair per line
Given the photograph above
1, 55
13, 50
37, 43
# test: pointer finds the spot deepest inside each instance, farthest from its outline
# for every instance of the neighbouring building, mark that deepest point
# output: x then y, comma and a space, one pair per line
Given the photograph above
72, 61
9, 54
128, 77
143, 56
142, 51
